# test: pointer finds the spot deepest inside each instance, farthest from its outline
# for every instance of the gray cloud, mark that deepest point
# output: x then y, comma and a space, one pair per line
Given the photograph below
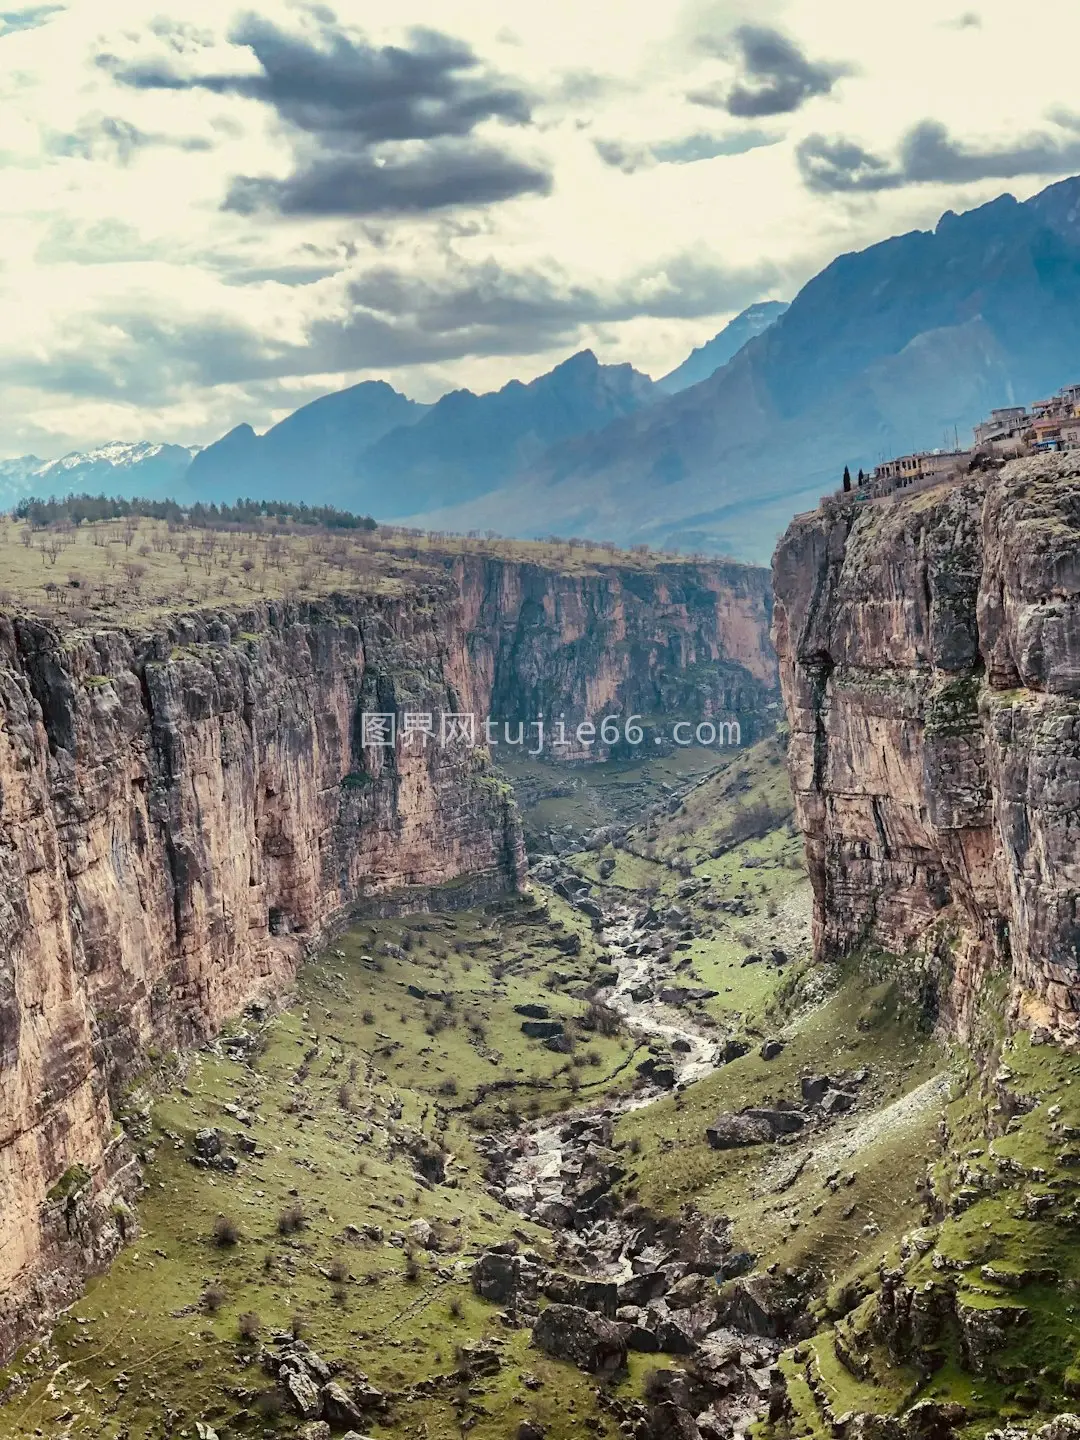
439, 176
386, 130
775, 76
928, 154
393, 319
433, 87
29, 17
687, 151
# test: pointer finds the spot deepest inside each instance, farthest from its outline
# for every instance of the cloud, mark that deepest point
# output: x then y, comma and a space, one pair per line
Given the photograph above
630, 157
437, 177
432, 87
27, 18
112, 138
928, 154
775, 76
382, 129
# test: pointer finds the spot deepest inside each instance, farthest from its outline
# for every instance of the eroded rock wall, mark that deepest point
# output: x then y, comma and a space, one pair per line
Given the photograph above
184, 809
929, 651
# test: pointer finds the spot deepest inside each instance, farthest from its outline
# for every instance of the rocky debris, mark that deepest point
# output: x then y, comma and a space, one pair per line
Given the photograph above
1061, 1427
686, 995
587, 1340
208, 1154
766, 1305
207, 1144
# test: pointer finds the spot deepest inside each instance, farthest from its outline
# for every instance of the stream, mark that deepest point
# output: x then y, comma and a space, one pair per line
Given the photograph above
658, 1279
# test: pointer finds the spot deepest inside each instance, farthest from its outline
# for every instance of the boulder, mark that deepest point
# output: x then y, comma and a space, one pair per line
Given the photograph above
207, 1143
590, 1341
542, 1029
771, 1048
835, 1102
690, 1290
779, 1121
337, 1406
731, 1049
505, 1279
601, 1296
533, 1010
304, 1395
730, 1132
640, 1289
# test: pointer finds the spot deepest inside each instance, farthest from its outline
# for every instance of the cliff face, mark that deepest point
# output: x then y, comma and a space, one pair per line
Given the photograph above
183, 810
929, 650
678, 642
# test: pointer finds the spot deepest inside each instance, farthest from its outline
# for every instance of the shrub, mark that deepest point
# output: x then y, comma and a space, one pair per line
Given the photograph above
412, 1268
338, 1270
449, 1086
226, 1231
291, 1219
249, 1325
213, 1298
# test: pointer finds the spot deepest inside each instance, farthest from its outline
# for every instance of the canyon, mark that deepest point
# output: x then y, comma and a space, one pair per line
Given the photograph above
188, 810
928, 648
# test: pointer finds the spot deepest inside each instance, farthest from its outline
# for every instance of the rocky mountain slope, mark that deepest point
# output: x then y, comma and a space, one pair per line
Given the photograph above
928, 659
187, 805
886, 350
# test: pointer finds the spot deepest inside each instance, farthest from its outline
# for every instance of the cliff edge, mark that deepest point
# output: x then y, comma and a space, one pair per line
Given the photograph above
929, 651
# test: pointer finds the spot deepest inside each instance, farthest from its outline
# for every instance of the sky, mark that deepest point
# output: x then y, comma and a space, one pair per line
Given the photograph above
214, 213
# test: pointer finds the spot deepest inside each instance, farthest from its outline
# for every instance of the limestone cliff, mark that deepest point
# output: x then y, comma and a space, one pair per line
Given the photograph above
184, 809
929, 649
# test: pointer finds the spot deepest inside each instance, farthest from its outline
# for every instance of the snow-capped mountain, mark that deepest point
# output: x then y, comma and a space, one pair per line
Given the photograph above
119, 468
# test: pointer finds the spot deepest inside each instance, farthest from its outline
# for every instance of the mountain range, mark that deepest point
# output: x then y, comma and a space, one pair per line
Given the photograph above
892, 348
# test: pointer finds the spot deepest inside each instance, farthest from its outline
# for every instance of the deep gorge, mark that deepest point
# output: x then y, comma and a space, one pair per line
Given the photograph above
187, 810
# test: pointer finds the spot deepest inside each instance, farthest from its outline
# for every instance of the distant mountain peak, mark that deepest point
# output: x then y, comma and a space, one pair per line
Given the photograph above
708, 358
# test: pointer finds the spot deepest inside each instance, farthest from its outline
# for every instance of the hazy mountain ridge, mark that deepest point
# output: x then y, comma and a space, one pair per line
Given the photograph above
887, 349
896, 347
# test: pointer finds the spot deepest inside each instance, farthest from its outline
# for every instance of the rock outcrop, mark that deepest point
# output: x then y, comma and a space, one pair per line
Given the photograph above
186, 808
929, 649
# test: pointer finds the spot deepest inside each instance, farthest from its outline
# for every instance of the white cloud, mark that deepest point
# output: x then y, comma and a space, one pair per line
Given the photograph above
133, 304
